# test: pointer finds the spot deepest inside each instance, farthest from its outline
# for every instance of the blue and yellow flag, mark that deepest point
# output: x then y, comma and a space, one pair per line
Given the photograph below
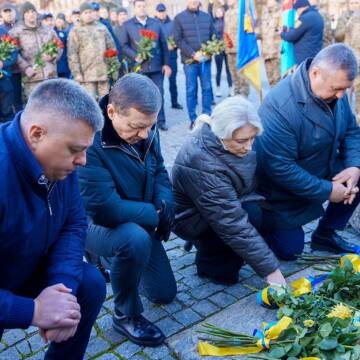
248, 60
287, 48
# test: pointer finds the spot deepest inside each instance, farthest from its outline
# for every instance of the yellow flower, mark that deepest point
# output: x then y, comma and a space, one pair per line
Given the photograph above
340, 311
309, 323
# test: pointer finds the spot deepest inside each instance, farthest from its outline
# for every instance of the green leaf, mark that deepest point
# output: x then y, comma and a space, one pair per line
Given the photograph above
295, 350
287, 311
328, 344
325, 330
277, 353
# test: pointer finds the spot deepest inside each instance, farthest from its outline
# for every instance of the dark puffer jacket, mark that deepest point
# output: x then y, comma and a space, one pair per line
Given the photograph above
191, 30
210, 184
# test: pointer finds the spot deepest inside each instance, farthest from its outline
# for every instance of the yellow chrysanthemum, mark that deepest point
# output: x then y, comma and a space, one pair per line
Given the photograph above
340, 311
309, 323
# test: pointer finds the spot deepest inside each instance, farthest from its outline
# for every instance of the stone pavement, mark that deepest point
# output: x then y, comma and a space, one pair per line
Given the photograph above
197, 300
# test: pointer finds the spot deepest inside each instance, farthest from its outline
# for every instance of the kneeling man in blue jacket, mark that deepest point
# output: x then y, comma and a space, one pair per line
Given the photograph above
309, 153
43, 279
128, 196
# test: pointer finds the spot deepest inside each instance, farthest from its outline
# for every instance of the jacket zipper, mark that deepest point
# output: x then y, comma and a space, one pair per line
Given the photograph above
44, 181
128, 152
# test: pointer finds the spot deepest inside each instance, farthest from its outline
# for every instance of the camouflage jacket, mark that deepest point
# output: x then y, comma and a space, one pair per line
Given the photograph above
31, 41
341, 26
328, 32
86, 47
231, 27
270, 33
352, 32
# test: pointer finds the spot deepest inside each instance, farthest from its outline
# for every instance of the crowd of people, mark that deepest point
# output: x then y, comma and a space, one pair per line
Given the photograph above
86, 178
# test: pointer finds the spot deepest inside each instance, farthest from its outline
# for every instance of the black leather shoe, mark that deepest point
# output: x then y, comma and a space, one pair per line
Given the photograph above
163, 127
329, 240
177, 107
139, 330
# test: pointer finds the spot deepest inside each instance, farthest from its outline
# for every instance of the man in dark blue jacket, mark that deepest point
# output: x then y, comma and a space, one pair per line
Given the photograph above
158, 65
43, 280
128, 196
309, 153
6, 86
168, 27
192, 29
307, 35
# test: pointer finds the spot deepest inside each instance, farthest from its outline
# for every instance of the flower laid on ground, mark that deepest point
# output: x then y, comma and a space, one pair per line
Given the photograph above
325, 319
228, 41
340, 311
145, 45
112, 63
51, 48
7, 47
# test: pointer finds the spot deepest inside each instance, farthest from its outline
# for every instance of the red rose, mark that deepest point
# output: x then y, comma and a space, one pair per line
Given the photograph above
109, 53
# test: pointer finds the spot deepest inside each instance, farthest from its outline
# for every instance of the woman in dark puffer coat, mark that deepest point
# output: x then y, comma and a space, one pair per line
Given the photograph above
217, 208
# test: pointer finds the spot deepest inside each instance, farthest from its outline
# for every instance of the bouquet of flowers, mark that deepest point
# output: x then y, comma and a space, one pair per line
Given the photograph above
146, 44
112, 63
211, 47
228, 41
51, 48
7, 46
171, 43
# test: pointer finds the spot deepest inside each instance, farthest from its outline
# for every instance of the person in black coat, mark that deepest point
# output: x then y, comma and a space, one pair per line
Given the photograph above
128, 198
216, 206
307, 35
192, 29
168, 27
309, 153
158, 65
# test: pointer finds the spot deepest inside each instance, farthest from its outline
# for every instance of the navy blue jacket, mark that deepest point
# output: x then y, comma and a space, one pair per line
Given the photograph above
111, 31
9, 62
305, 143
42, 228
191, 30
130, 36
62, 64
117, 187
169, 31
308, 36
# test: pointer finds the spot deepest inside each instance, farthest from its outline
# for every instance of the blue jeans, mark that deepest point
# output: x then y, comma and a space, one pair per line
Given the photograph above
136, 260
90, 296
192, 73
287, 243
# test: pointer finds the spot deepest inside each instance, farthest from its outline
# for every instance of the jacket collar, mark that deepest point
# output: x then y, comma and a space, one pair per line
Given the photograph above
314, 108
136, 21
23, 158
109, 136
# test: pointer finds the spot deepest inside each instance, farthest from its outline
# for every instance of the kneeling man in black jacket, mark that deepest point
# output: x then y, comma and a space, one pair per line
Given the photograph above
127, 195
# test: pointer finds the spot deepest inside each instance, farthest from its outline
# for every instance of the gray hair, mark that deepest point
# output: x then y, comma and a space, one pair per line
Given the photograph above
135, 91
68, 98
337, 57
229, 115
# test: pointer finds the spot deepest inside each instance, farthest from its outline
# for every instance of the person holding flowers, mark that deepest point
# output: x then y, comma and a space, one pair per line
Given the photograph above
144, 42
89, 43
8, 55
39, 48
193, 28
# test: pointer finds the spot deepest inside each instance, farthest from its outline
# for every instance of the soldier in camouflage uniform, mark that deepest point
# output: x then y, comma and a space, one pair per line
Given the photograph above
240, 84
352, 39
87, 43
343, 20
271, 41
32, 37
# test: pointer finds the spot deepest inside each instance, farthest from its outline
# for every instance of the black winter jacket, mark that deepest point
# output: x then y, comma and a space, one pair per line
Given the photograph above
210, 184
191, 30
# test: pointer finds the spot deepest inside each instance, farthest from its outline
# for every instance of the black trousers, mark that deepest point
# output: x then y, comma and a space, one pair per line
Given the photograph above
6, 99
138, 263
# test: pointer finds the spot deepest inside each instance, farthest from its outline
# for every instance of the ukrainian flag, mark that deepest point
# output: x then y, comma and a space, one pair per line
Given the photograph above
248, 60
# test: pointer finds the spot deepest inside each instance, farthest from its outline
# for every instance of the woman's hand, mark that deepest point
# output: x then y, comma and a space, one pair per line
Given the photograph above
276, 277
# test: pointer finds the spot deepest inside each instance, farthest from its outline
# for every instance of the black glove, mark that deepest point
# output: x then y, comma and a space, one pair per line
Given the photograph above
166, 221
